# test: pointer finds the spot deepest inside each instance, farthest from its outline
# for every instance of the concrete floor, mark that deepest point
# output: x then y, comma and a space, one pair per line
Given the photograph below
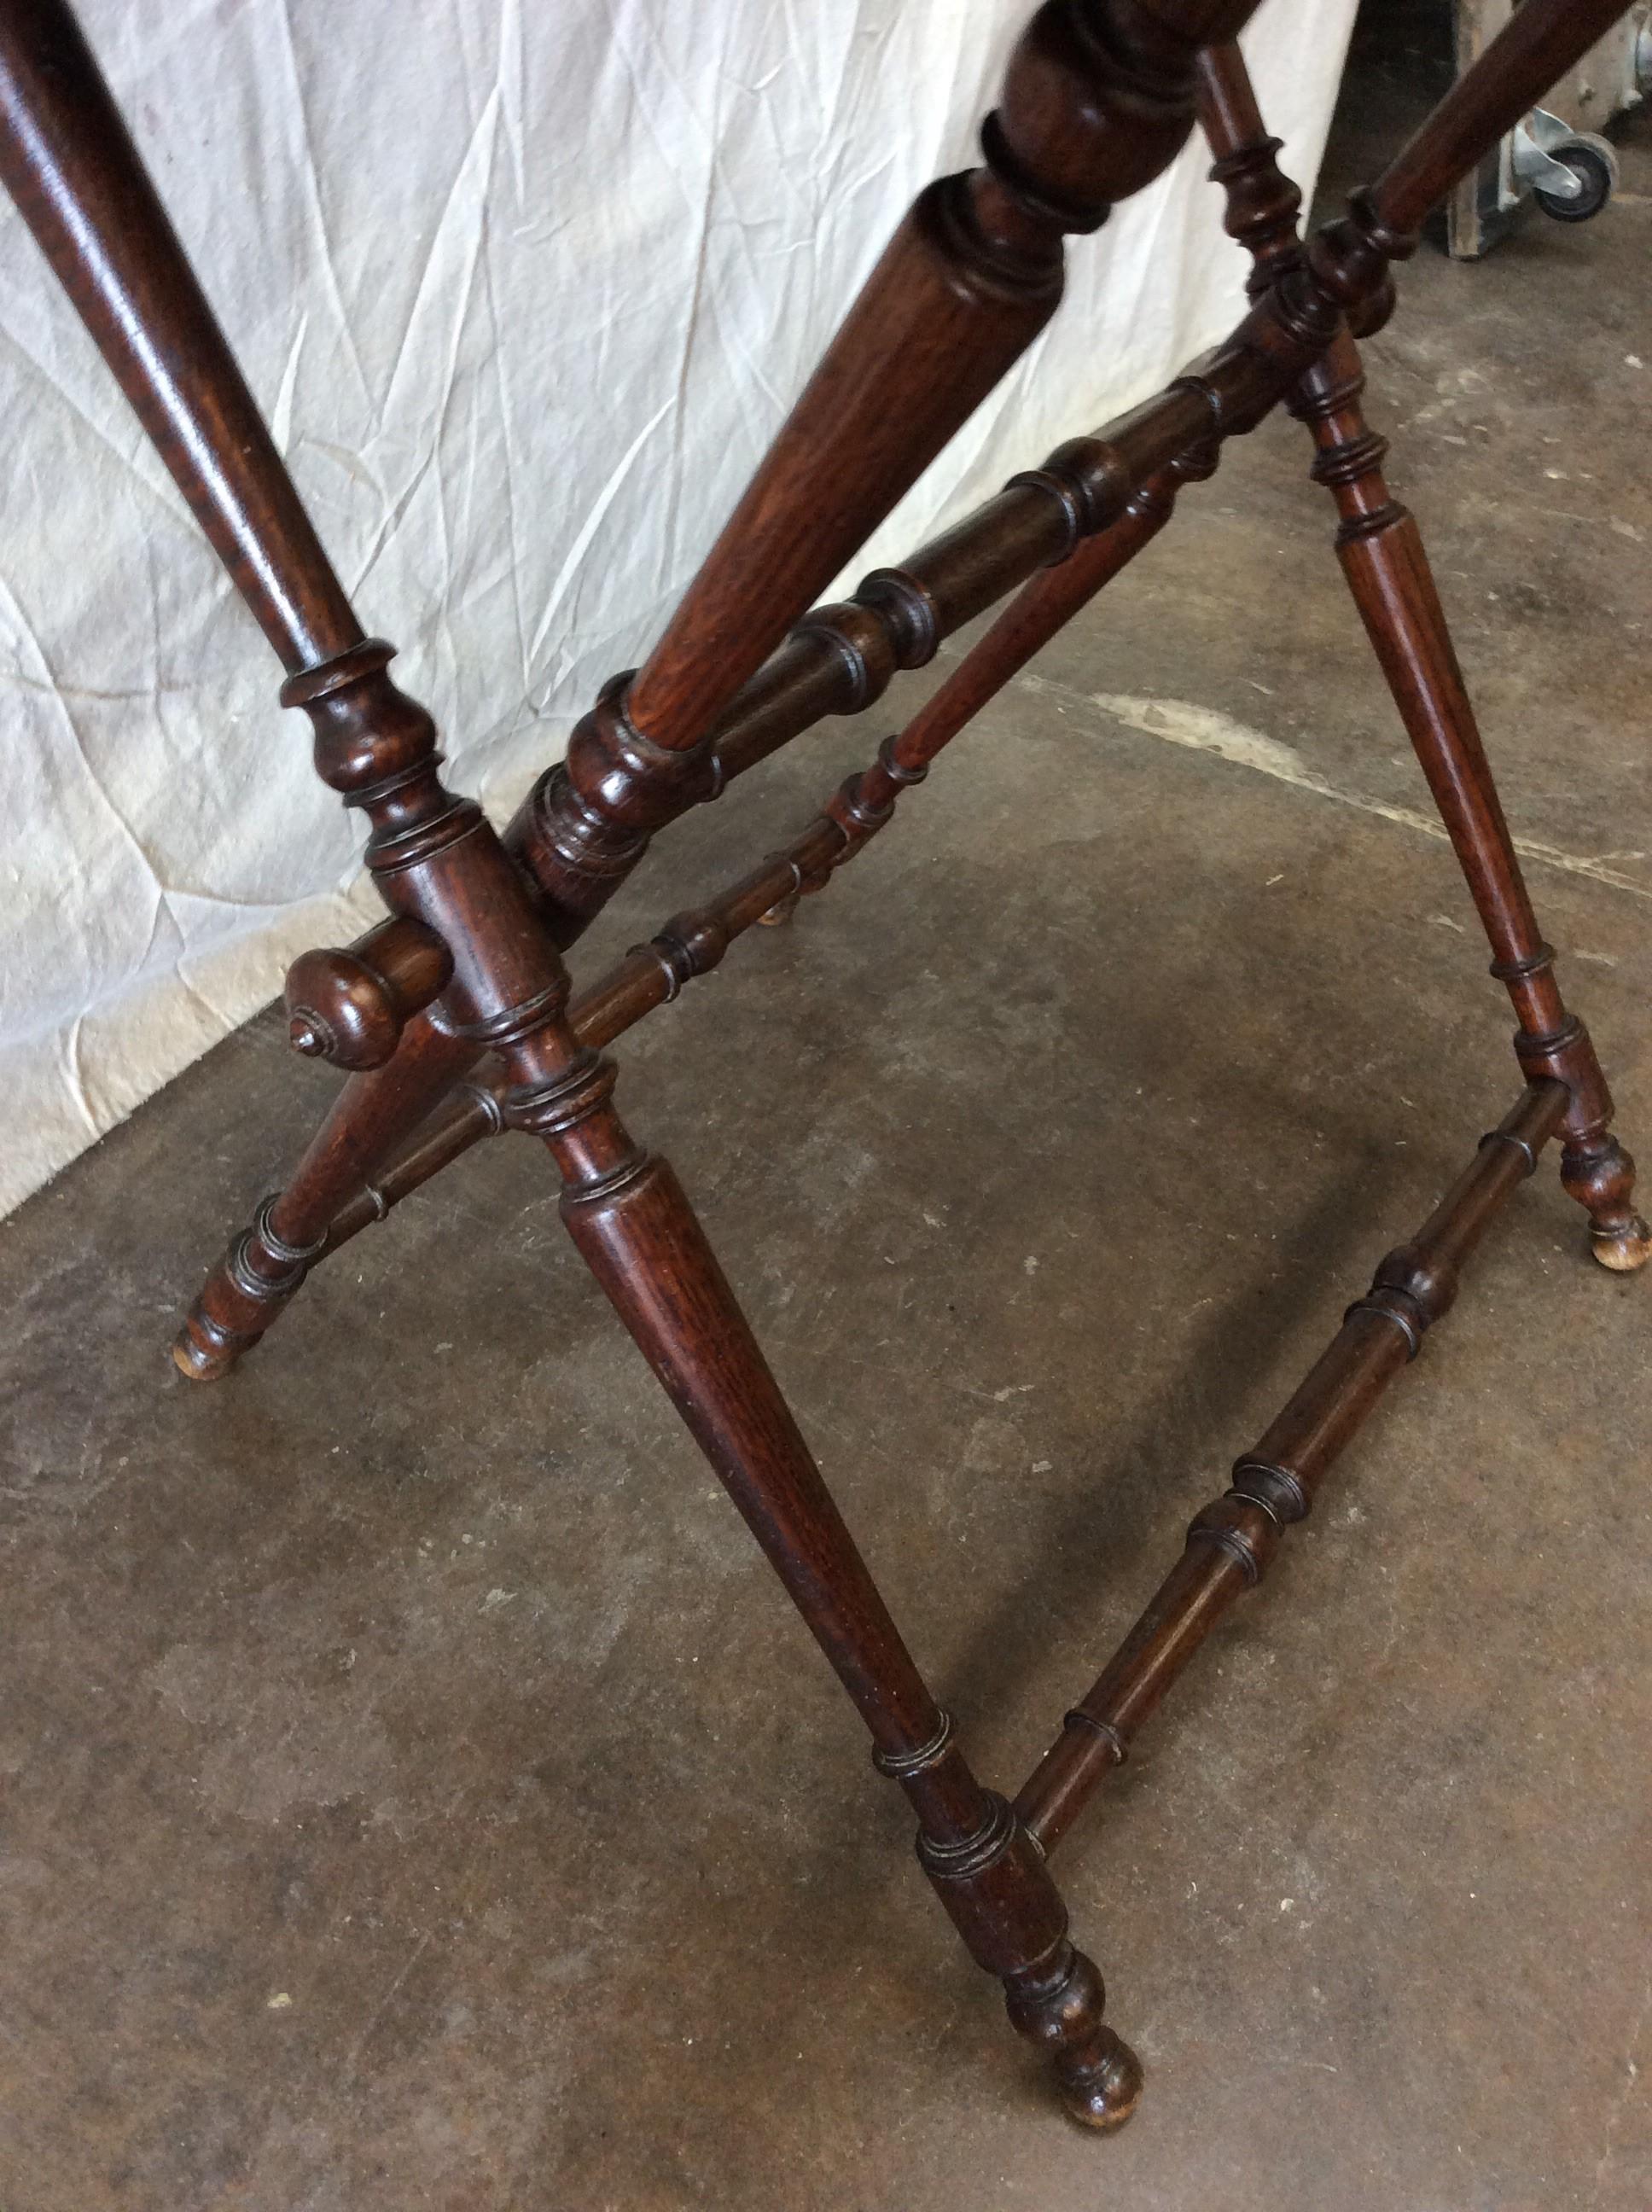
415, 1791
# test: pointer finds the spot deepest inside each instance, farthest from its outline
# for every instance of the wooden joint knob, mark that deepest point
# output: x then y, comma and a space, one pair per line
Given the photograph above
349, 1006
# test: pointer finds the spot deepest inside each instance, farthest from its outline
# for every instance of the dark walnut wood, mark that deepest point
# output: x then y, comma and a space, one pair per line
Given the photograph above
1231, 1543
351, 1006
469, 964
1382, 556
1098, 100
588, 822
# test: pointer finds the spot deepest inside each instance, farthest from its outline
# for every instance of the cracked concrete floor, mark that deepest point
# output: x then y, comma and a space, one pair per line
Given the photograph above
416, 1794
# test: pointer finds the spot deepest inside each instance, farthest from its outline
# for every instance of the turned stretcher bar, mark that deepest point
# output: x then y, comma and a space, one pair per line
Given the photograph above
1231, 1543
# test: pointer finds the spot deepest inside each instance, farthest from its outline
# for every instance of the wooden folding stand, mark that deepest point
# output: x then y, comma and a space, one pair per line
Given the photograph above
1099, 96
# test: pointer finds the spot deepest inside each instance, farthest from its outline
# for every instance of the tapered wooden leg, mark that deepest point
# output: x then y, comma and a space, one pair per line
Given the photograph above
1387, 570
1382, 557
628, 1217
439, 863
68, 161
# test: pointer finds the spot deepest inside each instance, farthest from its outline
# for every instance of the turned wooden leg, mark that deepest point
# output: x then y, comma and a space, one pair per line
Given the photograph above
1387, 570
68, 161
439, 863
1097, 100
628, 1217
1381, 549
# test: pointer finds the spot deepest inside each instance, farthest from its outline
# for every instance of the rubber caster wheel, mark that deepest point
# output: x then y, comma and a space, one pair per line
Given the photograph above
1594, 165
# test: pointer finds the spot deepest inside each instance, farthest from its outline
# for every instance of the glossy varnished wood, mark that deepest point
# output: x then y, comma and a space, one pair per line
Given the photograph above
1097, 100
68, 161
589, 821
1232, 1542
1380, 550
469, 965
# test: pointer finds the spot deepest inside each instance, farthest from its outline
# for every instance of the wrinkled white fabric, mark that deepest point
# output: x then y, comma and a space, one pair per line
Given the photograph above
525, 294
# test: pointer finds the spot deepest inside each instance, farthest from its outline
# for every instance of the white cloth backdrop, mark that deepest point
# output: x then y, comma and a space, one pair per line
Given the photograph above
525, 293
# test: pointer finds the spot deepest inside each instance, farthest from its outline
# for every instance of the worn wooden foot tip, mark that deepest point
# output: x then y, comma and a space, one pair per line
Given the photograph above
1625, 1248
1058, 2006
201, 1355
1104, 2095
242, 1297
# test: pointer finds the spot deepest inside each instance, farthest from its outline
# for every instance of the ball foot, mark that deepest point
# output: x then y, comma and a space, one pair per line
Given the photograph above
1104, 2095
1058, 2006
201, 1355
1625, 1247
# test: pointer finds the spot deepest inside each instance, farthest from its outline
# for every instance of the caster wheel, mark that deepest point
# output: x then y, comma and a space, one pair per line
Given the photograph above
1592, 162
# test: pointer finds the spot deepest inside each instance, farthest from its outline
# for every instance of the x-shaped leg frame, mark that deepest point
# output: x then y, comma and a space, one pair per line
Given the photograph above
1099, 96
